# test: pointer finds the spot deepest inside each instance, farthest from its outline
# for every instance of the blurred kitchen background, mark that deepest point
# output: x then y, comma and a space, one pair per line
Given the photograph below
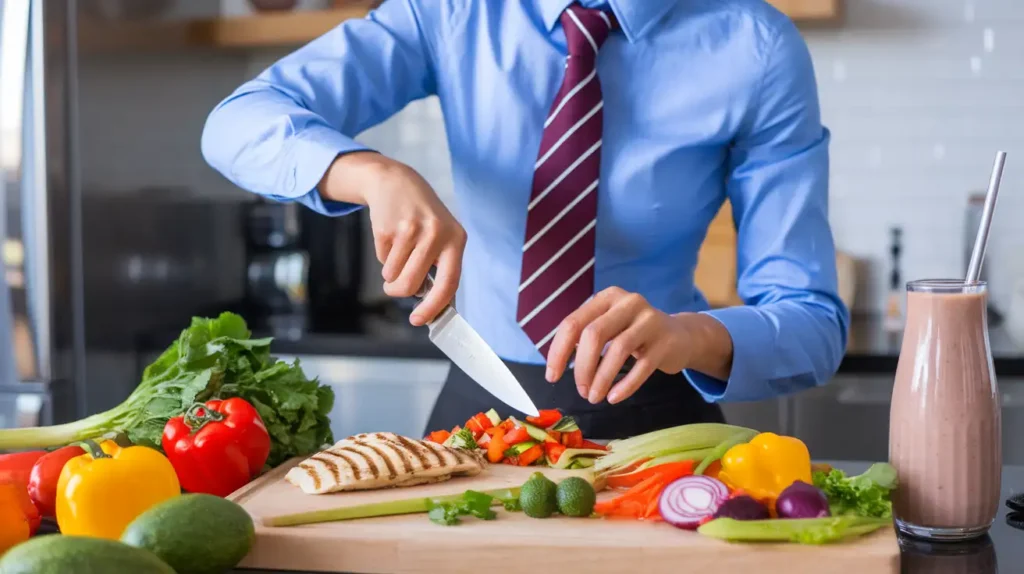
117, 232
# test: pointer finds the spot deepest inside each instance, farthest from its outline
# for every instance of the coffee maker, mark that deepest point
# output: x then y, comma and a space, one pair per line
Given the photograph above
304, 270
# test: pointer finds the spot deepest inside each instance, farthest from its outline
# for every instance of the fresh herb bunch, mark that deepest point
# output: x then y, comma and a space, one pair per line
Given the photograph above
213, 358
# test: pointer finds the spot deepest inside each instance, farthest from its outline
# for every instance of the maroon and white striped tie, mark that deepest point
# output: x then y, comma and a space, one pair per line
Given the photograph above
558, 252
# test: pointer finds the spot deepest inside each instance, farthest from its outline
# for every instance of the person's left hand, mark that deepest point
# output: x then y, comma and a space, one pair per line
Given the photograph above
629, 326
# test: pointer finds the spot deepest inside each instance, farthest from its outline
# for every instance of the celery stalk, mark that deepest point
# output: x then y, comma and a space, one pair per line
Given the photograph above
374, 509
666, 442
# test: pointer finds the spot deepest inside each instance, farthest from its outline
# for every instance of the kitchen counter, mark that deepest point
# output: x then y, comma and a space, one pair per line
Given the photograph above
1004, 544
871, 350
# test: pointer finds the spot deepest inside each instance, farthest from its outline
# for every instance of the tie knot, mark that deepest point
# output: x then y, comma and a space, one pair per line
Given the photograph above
586, 29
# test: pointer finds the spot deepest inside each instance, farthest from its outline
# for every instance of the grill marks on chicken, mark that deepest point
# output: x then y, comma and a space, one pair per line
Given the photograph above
381, 460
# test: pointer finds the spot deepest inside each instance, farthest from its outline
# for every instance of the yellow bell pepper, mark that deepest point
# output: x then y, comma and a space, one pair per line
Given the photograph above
766, 465
101, 492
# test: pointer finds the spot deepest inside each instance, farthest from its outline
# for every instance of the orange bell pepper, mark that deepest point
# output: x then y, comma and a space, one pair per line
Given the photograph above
14, 524
439, 436
531, 455
497, 446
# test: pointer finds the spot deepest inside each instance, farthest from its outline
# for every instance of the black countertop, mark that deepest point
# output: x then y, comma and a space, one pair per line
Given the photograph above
1004, 545
871, 350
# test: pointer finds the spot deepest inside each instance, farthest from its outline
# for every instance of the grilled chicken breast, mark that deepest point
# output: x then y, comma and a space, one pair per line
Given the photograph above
381, 460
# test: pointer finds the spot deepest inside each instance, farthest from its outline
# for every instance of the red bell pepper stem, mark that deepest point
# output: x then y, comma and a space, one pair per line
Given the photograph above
218, 447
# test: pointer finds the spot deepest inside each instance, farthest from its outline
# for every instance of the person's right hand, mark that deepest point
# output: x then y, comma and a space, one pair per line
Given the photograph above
412, 229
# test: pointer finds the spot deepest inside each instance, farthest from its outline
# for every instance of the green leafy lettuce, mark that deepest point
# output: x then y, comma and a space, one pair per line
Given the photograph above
865, 495
213, 358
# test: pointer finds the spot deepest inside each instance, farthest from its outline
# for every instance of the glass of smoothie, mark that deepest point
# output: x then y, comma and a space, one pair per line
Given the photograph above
945, 436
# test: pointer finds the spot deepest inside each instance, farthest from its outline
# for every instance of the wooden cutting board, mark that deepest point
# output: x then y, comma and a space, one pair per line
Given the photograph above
516, 543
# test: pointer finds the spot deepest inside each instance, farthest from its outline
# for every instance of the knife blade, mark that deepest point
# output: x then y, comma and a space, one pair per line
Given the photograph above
450, 332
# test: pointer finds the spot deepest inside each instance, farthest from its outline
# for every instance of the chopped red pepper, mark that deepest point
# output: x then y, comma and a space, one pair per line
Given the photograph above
546, 418
593, 445
554, 451
573, 439
507, 424
439, 436
494, 430
517, 435
555, 436
531, 455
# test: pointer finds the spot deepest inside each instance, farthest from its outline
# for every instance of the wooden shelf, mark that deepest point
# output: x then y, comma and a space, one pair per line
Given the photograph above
286, 29
810, 11
280, 29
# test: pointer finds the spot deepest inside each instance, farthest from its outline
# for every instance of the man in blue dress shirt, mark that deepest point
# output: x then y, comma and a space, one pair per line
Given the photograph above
592, 143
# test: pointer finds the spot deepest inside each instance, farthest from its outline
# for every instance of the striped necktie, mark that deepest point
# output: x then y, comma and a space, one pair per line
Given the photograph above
557, 273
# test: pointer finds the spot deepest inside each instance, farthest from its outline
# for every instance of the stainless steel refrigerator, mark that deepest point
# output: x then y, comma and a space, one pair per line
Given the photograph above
40, 315
86, 272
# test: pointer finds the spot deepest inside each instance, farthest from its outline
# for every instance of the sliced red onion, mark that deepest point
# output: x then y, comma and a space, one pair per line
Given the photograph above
687, 501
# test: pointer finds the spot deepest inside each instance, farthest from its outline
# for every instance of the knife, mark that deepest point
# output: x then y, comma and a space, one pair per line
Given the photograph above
468, 350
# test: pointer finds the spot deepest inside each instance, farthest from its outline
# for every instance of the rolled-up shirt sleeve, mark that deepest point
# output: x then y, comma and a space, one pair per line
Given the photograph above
791, 333
277, 134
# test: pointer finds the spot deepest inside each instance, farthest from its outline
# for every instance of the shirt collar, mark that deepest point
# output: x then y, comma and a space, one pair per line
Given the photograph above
635, 16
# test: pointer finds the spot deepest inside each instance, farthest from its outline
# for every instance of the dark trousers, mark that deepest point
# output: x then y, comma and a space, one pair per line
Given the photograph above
661, 402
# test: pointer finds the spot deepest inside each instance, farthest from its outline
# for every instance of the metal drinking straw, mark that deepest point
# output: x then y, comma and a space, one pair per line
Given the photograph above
981, 241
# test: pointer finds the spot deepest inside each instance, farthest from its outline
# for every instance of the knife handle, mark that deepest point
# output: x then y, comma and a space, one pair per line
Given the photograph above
428, 284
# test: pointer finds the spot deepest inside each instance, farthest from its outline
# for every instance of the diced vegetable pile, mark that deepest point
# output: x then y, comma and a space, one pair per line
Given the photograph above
548, 439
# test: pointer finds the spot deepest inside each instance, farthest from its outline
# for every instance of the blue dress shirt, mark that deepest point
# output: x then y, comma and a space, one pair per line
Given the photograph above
703, 100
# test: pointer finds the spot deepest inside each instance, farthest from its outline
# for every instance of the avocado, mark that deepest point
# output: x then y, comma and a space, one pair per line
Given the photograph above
576, 497
194, 533
538, 497
57, 554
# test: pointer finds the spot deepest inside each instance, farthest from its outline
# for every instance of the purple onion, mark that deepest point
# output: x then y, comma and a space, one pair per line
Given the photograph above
802, 500
743, 507
689, 500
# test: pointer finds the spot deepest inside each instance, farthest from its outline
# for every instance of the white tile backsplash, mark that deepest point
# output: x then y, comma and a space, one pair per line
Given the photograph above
928, 91
919, 95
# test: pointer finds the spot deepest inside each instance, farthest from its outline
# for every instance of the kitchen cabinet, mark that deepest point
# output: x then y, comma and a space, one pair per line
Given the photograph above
292, 28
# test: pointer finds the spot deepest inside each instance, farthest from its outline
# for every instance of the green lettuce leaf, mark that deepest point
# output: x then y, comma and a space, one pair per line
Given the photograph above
866, 495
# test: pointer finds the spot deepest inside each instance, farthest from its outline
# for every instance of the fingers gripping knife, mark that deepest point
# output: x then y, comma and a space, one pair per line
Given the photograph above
468, 350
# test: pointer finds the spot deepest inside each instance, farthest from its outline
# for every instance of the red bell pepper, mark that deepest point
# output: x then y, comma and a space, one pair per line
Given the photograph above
217, 448
546, 418
439, 436
17, 467
573, 439
593, 445
42, 483
516, 436
554, 451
